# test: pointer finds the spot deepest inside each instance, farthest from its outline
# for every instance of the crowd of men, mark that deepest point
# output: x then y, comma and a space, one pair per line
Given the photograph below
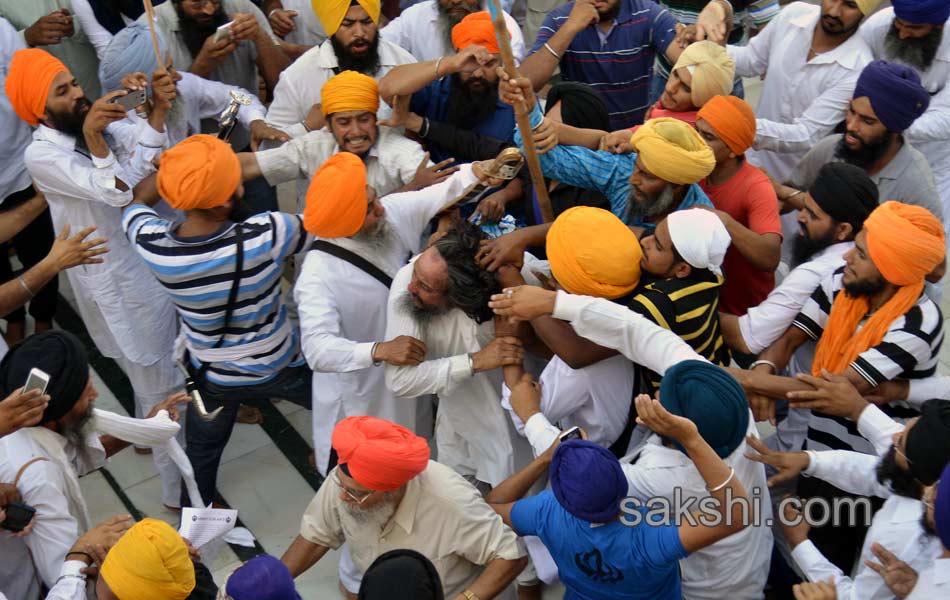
712, 373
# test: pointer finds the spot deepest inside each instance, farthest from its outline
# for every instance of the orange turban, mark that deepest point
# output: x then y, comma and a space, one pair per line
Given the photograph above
477, 29
336, 198
331, 12
732, 119
349, 91
199, 172
149, 562
379, 454
905, 243
29, 80
593, 253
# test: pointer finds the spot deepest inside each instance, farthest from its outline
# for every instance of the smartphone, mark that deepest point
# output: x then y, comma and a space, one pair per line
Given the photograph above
222, 31
131, 99
574, 433
19, 516
36, 380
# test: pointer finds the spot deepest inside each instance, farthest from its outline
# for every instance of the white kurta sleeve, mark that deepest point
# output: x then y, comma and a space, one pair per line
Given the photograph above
540, 433
75, 178
71, 584
852, 472
290, 161
752, 60
921, 390
97, 34
878, 428
213, 98
934, 124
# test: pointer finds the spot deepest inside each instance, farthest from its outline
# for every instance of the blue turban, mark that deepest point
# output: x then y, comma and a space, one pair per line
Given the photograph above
934, 12
587, 481
130, 51
942, 508
262, 578
709, 397
895, 93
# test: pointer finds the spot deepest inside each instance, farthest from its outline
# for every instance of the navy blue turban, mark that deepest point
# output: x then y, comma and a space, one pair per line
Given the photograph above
942, 508
587, 481
709, 397
934, 12
895, 93
262, 578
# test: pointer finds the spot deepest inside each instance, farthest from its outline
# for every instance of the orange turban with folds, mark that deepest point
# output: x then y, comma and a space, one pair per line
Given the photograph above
336, 198
732, 119
349, 91
673, 151
29, 80
199, 172
331, 12
379, 454
149, 562
477, 29
593, 253
905, 243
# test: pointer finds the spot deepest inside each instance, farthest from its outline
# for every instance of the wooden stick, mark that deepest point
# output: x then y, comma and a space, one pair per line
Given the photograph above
521, 113
150, 14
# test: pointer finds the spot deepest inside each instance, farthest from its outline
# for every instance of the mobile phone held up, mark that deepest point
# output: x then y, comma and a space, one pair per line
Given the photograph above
19, 516
222, 31
574, 433
36, 380
130, 100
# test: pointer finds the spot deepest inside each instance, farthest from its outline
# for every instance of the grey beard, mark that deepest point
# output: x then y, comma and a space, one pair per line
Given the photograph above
919, 54
76, 436
378, 238
446, 23
422, 316
639, 211
177, 118
377, 516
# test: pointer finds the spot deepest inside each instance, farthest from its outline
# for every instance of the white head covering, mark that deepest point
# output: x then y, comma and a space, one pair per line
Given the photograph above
700, 238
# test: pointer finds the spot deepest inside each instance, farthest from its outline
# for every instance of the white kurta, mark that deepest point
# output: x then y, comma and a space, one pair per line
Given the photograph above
13, 174
338, 332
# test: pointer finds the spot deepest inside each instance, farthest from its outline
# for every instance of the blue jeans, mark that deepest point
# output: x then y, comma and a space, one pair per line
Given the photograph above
658, 84
206, 439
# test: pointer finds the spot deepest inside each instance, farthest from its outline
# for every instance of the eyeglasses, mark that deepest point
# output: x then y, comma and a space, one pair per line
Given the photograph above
355, 496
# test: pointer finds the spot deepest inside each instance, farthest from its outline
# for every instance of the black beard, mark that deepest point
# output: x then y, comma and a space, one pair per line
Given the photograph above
74, 432
366, 63
804, 246
901, 482
867, 154
71, 122
927, 525
918, 53
195, 34
611, 13
864, 289
840, 33
467, 108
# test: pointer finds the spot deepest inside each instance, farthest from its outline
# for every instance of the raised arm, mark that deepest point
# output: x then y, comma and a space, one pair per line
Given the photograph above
553, 41
408, 79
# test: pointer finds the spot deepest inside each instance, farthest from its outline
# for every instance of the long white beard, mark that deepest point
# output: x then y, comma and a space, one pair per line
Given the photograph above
354, 517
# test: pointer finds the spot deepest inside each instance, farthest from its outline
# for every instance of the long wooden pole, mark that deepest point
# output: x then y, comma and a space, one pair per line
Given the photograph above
521, 113
150, 15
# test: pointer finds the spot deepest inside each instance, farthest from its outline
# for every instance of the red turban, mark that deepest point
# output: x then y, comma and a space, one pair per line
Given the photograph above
379, 454
199, 172
477, 29
336, 198
29, 80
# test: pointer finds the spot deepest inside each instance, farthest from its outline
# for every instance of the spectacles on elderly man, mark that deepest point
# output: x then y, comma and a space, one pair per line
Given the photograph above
356, 496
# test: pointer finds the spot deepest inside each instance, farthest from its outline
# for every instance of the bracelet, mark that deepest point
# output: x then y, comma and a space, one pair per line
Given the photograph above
424, 130
548, 47
470, 595
271, 13
471, 364
304, 123
86, 554
792, 195
763, 361
732, 473
437, 63
25, 287
372, 355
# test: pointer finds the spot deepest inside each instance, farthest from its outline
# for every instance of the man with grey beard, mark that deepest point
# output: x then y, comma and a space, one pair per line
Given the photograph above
911, 33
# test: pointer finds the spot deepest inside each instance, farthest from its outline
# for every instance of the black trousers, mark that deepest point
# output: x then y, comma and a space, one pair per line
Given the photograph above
31, 245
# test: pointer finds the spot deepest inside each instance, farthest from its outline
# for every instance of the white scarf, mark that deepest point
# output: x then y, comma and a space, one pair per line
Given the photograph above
54, 448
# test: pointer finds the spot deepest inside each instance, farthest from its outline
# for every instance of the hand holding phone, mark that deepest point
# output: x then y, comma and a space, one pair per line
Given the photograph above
18, 518
131, 100
36, 380
223, 31
574, 433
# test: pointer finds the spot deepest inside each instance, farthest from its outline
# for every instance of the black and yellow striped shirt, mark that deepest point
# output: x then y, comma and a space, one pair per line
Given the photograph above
689, 307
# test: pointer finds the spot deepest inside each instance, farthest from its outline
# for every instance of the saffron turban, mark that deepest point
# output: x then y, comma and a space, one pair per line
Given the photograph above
349, 91
149, 562
331, 12
58, 353
732, 119
905, 243
262, 578
712, 69
919, 12
942, 508
867, 6
130, 51
336, 198
928, 441
476, 28
587, 481
29, 80
378, 454
401, 574
700, 238
673, 151
895, 93
593, 253
199, 172
845, 192
708, 396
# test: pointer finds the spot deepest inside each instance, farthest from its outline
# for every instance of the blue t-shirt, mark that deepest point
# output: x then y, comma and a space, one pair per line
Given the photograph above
620, 64
606, 561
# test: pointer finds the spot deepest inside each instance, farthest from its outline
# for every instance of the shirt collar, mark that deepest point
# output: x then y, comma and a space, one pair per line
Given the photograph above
327, 59
57, 137
405, 515
896, 167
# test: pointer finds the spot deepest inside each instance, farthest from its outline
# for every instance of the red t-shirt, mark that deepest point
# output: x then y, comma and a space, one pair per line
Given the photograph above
656, 111
750, 199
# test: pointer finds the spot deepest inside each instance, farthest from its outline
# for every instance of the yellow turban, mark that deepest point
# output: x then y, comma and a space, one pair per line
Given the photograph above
673, 151
331, 12
336, 198
593, 253
867, 6
199, 172
349, 91
149, 562
29, 80
712, 70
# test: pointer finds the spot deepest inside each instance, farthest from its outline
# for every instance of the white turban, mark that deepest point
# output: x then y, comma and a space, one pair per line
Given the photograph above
130, 51
699, 237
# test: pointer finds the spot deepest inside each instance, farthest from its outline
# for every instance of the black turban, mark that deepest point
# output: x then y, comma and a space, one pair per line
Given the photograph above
581, 105
401, 575
928, 442
845, 192
58, 353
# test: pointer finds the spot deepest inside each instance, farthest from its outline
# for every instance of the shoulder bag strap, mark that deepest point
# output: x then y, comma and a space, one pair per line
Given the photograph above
232, 295
354, 259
